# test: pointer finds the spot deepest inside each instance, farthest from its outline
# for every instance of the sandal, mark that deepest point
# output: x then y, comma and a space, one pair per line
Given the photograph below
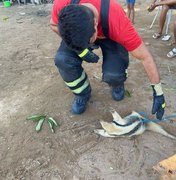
166, 37
156, 36
172, 53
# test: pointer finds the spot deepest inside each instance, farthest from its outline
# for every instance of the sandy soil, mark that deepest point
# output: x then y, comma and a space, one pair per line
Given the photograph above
30, 84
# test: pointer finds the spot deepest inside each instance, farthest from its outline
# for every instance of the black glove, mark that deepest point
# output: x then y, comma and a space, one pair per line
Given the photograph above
88, 56
158, 101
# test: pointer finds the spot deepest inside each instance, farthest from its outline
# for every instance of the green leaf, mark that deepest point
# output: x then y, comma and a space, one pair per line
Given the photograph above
36, 117
127, 93
5, 18
39, 124
53, 121
51, 125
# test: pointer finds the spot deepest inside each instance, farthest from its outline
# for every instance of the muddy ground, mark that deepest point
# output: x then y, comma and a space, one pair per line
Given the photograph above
30, 84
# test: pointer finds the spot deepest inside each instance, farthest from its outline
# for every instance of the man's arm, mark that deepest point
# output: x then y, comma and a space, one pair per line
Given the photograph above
160, 3
145, 56
152, 5
54, 27
165, 2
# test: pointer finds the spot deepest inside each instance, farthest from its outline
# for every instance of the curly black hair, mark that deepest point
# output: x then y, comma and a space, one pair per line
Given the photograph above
76, 26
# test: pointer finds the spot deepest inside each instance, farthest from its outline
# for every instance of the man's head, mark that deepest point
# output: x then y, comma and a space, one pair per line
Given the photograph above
76, 26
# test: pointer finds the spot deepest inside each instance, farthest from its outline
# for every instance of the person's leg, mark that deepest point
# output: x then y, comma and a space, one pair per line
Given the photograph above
132, 10
74, 76
114, 67
162, 20
175, 31
172, 53
128, 8
128, 11
132, 15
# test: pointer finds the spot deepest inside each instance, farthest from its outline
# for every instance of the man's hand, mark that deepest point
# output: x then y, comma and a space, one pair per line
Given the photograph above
158, 101
88, 56
151, 7
54, 27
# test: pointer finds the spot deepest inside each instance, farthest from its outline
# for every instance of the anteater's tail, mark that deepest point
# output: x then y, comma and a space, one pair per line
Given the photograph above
157, 128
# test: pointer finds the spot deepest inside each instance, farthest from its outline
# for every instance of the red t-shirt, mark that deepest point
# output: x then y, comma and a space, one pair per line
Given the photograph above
121, 29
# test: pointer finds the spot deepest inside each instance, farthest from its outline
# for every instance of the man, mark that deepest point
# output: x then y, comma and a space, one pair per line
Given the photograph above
166, 5
104, 23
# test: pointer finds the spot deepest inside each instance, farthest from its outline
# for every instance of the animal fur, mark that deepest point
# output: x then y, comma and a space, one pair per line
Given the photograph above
129, 126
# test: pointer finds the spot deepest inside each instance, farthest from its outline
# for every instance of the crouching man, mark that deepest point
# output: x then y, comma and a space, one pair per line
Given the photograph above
81, 23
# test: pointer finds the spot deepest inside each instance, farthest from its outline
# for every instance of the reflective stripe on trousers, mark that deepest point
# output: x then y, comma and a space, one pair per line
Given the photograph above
79, 85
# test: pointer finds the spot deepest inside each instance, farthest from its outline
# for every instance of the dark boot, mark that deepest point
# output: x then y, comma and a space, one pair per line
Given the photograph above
118, 92
80, 102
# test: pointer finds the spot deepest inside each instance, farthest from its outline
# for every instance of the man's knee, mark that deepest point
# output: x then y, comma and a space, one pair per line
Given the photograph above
114, 79
69, 66
60, 61
66, 61
165, 8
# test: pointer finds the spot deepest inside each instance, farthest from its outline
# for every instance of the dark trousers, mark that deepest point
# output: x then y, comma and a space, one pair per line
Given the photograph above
114, 66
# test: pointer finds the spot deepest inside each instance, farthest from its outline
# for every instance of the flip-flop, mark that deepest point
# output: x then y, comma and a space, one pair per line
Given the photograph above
171, 53
156, 35
166, 37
